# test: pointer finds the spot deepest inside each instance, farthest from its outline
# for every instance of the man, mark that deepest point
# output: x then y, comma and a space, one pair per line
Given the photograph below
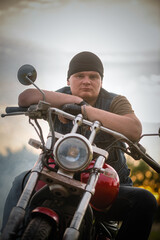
134, 206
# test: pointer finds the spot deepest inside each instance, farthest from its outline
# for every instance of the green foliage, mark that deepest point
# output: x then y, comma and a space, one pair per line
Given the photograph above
144, 176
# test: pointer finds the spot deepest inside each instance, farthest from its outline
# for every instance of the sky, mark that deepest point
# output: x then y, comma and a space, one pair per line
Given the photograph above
125, 34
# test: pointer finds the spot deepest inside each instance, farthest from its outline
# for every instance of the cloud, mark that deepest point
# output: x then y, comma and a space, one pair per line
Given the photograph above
17, 4
51, 66
105, 26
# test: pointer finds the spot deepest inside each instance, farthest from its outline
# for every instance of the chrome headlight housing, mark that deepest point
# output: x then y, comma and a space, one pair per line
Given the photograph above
73, 152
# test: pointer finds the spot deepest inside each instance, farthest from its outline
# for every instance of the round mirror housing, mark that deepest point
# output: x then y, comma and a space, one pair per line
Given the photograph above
27, 74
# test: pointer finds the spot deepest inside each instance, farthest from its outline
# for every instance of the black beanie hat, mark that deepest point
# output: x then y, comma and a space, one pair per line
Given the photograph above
85, 61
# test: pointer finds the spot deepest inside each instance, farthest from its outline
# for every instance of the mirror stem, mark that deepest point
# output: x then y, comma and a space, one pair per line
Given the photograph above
27, 77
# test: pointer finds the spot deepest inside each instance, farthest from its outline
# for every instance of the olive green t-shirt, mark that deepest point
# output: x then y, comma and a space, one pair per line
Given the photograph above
121, 106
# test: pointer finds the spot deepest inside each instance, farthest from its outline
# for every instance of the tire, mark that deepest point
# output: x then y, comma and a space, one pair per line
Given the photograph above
39, 228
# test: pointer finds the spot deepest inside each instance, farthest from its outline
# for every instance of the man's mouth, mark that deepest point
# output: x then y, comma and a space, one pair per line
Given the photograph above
86, 89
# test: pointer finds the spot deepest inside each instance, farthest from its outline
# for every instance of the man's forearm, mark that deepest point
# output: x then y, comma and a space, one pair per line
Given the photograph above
56, 99
128, 124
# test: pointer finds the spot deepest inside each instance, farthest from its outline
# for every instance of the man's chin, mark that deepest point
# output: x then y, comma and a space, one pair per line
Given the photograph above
85, 97
88, 99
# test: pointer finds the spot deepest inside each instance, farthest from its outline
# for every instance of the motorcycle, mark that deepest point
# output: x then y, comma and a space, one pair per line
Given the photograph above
66, 185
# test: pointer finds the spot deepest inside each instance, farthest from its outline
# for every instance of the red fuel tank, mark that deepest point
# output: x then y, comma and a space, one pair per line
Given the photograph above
106, 189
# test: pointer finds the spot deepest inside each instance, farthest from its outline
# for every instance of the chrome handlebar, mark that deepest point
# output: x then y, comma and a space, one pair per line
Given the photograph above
41, 110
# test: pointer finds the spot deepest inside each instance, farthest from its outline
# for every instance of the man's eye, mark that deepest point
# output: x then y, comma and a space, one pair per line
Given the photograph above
80, 76
93, 77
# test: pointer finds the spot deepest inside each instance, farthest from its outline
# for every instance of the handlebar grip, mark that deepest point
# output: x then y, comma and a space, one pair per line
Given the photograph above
72, 108
152, 163
143, 155
16, 109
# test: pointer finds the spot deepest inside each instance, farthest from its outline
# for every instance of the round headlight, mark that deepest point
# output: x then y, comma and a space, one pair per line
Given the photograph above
73, 152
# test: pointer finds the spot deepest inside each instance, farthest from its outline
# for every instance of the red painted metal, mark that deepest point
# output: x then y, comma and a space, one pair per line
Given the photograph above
106, 189
47, 211
40, 183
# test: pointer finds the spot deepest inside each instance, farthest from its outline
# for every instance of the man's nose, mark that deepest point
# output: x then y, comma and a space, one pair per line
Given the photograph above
86, 80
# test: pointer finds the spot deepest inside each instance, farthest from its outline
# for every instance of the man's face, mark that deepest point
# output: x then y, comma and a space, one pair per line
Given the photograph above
86, 85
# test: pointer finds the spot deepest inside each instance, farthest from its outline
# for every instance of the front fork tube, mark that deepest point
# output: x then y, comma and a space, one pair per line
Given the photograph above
17, 214
31, 183
72, 233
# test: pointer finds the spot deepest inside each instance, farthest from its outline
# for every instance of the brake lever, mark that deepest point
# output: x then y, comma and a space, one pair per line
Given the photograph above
135, 154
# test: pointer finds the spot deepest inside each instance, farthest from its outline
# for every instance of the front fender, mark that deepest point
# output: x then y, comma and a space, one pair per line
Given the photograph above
48, 212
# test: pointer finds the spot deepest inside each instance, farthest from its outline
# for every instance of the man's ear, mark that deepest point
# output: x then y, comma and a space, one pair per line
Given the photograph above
68, 82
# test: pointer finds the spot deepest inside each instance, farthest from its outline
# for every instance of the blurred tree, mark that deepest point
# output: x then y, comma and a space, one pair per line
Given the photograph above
145, 177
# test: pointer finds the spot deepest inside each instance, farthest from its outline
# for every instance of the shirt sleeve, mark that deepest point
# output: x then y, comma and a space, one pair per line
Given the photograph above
121, 106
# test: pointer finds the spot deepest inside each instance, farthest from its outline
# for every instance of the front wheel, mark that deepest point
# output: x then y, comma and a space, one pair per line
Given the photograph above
39, 228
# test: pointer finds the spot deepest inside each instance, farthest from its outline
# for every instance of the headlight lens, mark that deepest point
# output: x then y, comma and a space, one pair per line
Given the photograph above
73, 152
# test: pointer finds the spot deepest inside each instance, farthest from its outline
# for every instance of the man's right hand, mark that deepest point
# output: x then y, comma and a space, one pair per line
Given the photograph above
72, 108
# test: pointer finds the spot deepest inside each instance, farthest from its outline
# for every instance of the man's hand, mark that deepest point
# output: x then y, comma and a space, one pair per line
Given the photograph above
71, 108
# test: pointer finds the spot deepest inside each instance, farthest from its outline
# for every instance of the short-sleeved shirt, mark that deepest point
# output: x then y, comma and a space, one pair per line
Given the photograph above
120, 105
